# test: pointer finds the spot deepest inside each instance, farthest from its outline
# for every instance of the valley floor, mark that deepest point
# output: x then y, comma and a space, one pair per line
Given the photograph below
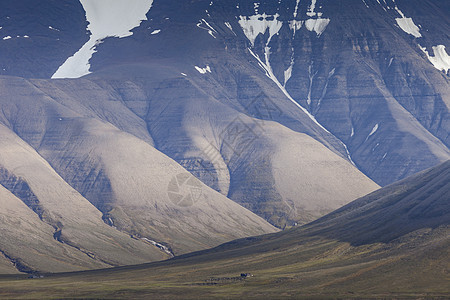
314, 268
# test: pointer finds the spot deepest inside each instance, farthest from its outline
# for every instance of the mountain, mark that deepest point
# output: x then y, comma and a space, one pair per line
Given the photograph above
358, 251
179, 125
374, 74
77, 222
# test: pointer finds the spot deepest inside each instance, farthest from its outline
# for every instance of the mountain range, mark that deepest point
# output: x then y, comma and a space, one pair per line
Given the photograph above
137, 131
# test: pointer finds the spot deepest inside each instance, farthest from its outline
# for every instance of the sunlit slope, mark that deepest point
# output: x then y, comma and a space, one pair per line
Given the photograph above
284, 176
64, 216
133, 189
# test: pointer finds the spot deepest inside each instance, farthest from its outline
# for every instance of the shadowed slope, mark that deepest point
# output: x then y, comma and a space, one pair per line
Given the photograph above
420, 201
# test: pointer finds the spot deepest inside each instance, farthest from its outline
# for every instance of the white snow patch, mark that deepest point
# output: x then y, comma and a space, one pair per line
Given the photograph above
205, 70
390, 61
348, 153
374, 129
208, 27
311, 76
318, 25
184, 74
156, 31
258, 24
107, 18
7, 38
295, 25
373, 149
230, 27
296, 8
288, 72
440, 60
353, 132
52, 28
407, 24
255, 7
312, 7
365, 3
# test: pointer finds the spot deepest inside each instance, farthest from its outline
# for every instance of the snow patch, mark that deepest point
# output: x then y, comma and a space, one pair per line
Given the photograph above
7, 38
407, 24
205, 70
311, 8
296, 8
288, 72
348, 153
258, 24
390, 61
256, 7
311, 76
295, 25
156, 31
107, 18
440, 60
318, 25
230, 27
374, 129
202, 23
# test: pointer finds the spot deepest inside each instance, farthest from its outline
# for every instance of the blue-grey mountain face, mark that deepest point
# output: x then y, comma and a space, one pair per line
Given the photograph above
289, 108
37, 36
357, 66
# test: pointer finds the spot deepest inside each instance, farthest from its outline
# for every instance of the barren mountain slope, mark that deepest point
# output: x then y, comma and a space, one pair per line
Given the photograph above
135, 188
28, 244
65, 215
